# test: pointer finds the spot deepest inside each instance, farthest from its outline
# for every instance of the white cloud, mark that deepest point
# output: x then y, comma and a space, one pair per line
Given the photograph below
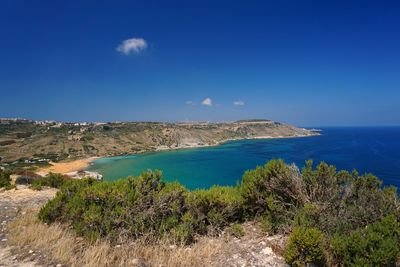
207, 102
133, 45
238, 103
191, 103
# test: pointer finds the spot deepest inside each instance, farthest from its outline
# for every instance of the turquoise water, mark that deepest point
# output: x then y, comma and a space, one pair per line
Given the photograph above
375, 150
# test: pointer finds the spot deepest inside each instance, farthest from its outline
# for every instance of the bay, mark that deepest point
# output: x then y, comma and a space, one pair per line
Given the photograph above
365, 149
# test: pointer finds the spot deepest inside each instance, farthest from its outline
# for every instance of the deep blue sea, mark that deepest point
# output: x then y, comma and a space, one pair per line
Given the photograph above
366, 149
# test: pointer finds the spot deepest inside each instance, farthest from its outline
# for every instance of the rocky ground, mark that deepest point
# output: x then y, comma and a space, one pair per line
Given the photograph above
253, 249
12, 203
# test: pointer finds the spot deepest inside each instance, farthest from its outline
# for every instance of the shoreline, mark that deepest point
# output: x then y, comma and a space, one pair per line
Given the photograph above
82, 164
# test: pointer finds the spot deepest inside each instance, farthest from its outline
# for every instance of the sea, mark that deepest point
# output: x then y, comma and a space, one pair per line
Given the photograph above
373, 150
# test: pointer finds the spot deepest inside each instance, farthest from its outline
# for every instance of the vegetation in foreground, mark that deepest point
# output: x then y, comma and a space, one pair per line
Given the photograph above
332, 218
54, 180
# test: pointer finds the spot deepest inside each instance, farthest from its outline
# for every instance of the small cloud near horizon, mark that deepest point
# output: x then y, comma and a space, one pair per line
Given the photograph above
207, 102
132, 45
238, 103
191, 103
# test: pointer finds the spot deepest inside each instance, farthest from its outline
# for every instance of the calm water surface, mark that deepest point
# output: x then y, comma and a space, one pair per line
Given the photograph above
375, 150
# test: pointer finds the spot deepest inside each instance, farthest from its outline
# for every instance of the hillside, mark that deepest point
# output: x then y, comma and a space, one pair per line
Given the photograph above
41, 141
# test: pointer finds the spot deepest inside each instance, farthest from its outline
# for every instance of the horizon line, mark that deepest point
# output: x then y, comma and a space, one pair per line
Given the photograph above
194, 121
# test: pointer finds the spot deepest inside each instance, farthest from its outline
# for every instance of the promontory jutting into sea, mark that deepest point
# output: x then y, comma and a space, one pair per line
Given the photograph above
200, 133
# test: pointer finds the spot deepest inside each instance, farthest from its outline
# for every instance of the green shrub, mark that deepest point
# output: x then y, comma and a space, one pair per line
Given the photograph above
275, 190
208, 211
376, 245
54, 180
323, 184
5, 180
237, 230
26, 179
365, 202
142, 207
266, 225
341, 201
185, 231
308, 216
305, 246
216, 207
56, 208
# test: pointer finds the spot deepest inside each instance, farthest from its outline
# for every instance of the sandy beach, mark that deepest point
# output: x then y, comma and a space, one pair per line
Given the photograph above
66, 167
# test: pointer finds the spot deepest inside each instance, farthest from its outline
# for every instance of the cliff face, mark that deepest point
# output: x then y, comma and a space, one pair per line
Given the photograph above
56, 141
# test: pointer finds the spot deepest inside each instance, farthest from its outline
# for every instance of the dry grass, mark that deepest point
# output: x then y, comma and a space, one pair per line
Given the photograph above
63, 245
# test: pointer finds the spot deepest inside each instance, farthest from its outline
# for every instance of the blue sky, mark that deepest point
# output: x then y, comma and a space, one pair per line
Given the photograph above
309, 63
